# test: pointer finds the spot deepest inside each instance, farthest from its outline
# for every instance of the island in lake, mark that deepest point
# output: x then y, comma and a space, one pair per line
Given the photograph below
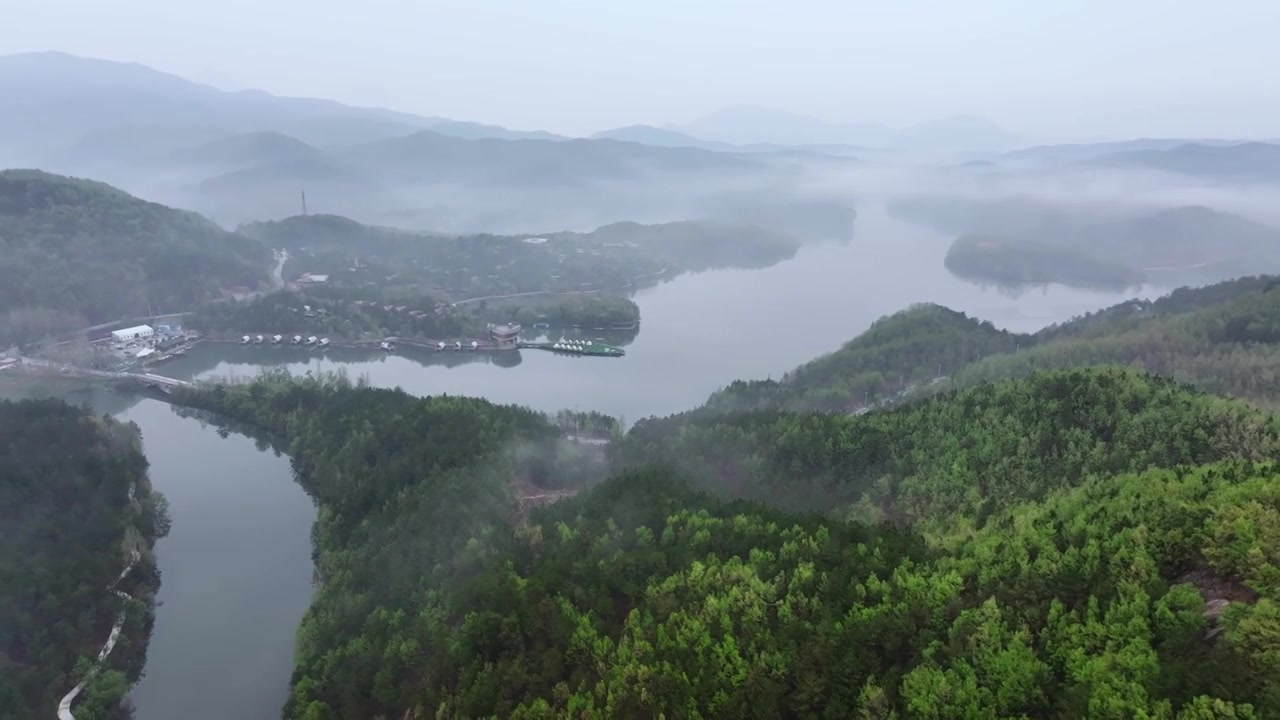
1024, 241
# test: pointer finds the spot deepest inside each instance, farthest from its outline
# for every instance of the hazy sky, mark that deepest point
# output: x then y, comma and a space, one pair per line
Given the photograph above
1057, 68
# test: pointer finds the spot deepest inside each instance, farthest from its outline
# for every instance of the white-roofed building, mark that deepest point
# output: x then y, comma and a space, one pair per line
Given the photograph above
138, 332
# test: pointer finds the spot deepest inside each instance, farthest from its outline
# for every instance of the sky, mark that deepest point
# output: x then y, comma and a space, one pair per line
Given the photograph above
1057, 69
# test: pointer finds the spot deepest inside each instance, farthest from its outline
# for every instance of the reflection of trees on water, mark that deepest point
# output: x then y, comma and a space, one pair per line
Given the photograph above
205, 358
224, 426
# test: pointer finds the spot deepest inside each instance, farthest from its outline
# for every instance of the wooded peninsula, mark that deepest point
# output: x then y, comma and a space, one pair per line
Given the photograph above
1089, 542
80, 519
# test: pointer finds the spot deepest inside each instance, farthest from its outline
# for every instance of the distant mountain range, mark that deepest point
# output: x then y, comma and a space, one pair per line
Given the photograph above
241, 156
1244, 162
1211, 160
664, 137
55, 100
1076, 152
750, 125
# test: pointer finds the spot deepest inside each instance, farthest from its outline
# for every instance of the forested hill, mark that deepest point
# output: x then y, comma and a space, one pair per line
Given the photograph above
914, 345
75, 252
1224, 338
957, 455
624, 249
409, 490
66, 482
1076, 544
1023, 240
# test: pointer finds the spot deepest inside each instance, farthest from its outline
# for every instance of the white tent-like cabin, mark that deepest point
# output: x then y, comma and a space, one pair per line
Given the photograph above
137, 332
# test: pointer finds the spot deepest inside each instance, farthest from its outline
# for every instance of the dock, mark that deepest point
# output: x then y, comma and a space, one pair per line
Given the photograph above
588, 348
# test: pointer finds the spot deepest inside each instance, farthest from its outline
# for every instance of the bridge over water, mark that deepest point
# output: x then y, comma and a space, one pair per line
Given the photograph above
160, 382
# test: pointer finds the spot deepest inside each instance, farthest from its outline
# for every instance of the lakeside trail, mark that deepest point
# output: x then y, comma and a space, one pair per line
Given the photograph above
64, 707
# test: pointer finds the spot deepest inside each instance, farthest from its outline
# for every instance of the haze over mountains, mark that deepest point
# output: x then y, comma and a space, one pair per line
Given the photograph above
246, 156
749, 125
242, 156
996, 501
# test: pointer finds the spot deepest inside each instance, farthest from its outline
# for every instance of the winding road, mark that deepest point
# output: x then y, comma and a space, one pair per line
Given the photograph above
64, 707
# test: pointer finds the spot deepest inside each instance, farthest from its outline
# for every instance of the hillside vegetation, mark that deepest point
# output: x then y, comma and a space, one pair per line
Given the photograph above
613, 256
75, 252
408, 490
66, 483
915, 345
343, 313
996, 261
402, 267
384, 281
1076, 544
1028, 241
958, 454
1221, 338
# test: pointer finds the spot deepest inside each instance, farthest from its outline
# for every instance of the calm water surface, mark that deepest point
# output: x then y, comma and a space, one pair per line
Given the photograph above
237, 566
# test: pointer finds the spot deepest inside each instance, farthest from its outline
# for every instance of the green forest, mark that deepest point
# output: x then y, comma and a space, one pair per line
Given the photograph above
1021, 239
616, 257
408, 489
991, 260
347, 313
1079, 543
385, 282
74, 503
915, 345
1222, 338
74, 253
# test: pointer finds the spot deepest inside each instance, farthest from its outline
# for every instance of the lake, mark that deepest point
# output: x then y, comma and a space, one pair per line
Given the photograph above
698, 331
237, 566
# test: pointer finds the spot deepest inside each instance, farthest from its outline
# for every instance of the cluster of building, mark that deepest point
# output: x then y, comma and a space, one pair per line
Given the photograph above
142, 342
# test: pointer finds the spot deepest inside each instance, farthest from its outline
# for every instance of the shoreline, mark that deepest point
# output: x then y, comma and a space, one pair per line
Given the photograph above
140, 549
